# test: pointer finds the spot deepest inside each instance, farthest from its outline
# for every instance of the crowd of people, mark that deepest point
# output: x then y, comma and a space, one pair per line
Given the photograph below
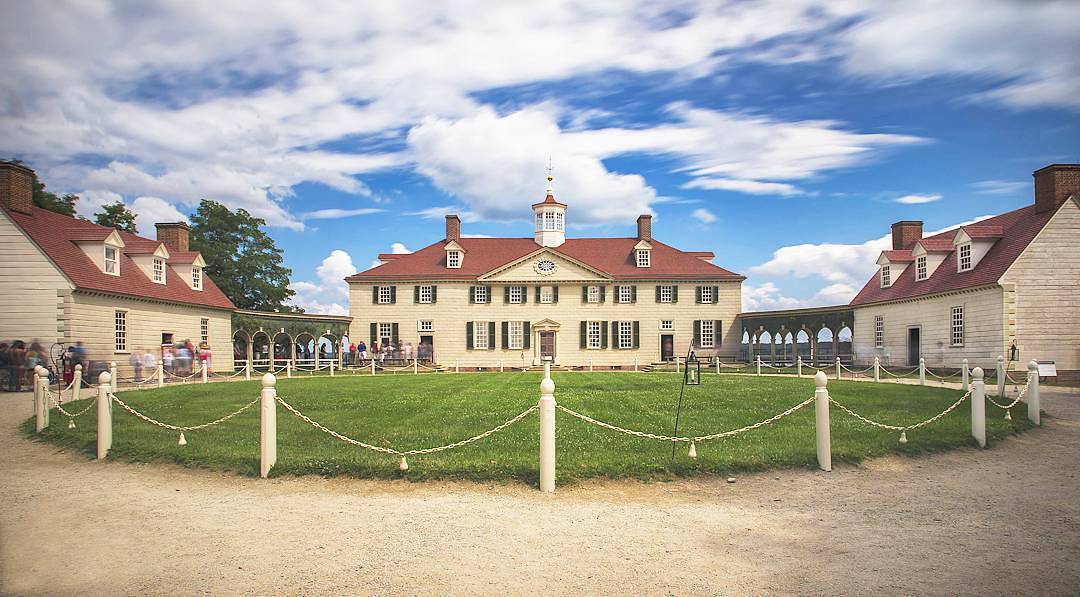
18, 361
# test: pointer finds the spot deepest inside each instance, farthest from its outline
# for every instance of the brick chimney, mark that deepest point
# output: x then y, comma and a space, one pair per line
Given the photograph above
174, 235
644, 227
905, 234
16, 187
1054, 184
453, 228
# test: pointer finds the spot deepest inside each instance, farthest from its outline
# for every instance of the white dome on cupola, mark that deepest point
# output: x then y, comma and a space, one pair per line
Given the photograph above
550, 219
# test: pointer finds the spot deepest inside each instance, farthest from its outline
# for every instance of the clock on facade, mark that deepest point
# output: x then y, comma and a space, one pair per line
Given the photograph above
545, 267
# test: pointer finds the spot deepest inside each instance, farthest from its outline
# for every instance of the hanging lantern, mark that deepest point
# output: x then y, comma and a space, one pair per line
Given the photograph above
692, 374
1014, 352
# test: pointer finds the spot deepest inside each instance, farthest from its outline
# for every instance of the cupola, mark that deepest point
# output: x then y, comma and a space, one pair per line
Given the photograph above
550, 218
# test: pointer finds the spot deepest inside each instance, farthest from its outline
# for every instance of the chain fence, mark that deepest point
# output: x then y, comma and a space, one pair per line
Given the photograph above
903, 429
181, 428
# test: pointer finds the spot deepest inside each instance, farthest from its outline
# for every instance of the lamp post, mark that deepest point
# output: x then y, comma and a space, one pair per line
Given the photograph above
691, 377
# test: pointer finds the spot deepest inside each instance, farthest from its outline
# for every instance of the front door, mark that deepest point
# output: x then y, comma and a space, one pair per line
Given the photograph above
547, 345
426, 350
667, 347
913, 346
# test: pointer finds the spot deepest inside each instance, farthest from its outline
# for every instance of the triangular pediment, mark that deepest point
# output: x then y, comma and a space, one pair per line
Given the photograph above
643, 244
961, 237
534, 268
453, 246
161, 251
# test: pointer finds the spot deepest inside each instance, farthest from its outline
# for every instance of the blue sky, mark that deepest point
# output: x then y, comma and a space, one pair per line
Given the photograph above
785, 136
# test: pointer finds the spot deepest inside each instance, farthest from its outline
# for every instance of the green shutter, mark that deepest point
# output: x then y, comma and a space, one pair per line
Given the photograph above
615, 335
374, 295
658, 294
472, 294
697, 294
674, 293
393, 295
525, 295
584, 334
491, 335
603, 293
506, 294
394, 334
637, 335
697, 333
554, 294
633, 294
415, 294
603, 334
526, 333
433, 289
715, 294
717, 336
468, 336
584, 294
505, 335
374, 335
537, 295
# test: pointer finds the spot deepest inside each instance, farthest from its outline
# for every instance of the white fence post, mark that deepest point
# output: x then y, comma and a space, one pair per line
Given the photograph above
635, 364
590, 365
500, 365
759, 365
1033, 393
821, 423
837, 367
247, 370
288, 369
677, 365
798, 365
717, 360
457, 366
1001, 376
373, 365
547, 431
160, 373
76, 383
416, 365
115, 377
41, 406
267, 425
978, 407
331, 368
877, 369
922, 371
964, 376
205, 372
104, 415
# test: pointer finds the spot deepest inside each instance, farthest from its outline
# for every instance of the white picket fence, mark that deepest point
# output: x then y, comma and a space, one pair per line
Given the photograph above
45, 400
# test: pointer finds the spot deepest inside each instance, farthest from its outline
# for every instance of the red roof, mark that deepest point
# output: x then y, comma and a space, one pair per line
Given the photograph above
983, 230
937, 245
1016, 230
898, 255
55, 234
549, 200
612, 256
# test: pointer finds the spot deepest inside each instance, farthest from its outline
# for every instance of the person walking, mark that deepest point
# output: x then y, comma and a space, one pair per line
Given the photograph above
149, 362
16, 357
136, 361
363, 351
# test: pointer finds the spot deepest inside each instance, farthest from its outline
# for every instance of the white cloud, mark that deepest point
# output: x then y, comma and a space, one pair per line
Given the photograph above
154, 210
750, 187
333, 214
916, 199
399, 249
704, 215
1002, 187
330, 293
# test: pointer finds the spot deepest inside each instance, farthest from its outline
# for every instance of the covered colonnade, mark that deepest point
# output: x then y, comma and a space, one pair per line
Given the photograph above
817, 334
272, 341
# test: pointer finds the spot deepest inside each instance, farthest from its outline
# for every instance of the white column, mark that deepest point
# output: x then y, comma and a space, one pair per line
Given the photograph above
1001, 376
759, 365
115, 377
922, 371
978, 407
877, 369
205, 371
547, 431
798, 365
160, 373
104, 415
1033, 393
267, 425
821, 423
964, 376
41, 406
837, 367
76, 383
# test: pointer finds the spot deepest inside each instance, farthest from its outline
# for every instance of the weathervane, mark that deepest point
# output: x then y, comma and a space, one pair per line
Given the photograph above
549, 176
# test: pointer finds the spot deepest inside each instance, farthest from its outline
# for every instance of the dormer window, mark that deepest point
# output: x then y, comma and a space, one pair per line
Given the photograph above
159, 270
453, 259
643, 259
920, 267
963, 257
886, 276
196, 278
112, 260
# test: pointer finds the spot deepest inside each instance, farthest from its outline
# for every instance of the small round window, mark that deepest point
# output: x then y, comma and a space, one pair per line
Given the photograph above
545, 266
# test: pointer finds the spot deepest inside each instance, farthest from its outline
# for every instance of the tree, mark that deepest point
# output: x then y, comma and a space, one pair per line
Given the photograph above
61, 204
118, 216
240, 257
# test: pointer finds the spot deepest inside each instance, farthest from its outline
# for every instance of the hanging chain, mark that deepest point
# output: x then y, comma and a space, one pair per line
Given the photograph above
179, 427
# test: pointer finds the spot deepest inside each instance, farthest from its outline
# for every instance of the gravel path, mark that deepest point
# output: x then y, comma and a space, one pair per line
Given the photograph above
1002, 521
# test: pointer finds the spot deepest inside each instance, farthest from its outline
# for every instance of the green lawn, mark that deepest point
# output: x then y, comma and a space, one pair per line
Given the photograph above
407, 412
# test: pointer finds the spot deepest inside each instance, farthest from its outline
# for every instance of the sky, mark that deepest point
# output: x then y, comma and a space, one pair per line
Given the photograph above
785, 136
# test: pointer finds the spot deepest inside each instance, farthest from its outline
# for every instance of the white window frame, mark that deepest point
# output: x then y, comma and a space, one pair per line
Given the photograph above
516, 331
120, 327
560, 221
426, 294
964, 261
539, 220
547, 294
517, 295
886, 276
879, 331
667, 293
707, 294
453, 259
480, 335
707, 333
593, 294
549, 220
159, 270
385, 330
204, 330
957, 326
593, 331
196, 277
626, 334
625, 294
643, 258
667, 324
385, 296
425, 325
920, 268
114, 261
481, 294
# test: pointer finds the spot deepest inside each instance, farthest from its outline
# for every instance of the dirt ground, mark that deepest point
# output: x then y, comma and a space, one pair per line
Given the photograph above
1001, 521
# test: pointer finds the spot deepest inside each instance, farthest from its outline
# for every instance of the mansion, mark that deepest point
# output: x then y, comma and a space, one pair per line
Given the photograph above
608, 302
